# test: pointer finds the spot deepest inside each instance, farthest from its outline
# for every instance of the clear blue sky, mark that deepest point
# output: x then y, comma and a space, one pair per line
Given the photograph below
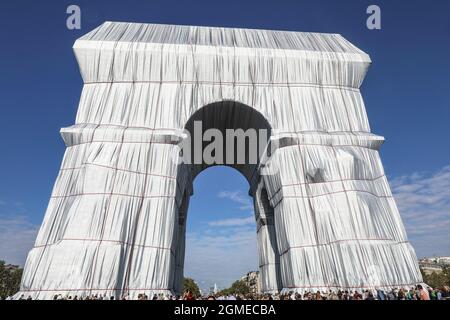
407, 95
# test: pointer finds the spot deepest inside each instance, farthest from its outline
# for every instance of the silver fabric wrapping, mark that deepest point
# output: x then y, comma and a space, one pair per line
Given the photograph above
325, 215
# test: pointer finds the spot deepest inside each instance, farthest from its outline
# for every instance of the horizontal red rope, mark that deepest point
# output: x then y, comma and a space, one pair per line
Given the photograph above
343, 240
118, 169
157, 142
277, 84
275, 131
111, 194
94, 289
329, 193
320, 183
268, 264
103, 240
121, 142
343, 191
350, 287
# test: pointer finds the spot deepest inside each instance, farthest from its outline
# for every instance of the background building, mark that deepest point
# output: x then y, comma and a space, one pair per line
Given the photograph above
252, 280
434, 264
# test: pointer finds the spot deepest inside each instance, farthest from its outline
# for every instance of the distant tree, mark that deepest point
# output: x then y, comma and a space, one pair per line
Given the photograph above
437, 280
9, 280
190, 285
238, 287
446, 272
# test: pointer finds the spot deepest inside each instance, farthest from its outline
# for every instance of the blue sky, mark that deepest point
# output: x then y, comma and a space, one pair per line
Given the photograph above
406, 92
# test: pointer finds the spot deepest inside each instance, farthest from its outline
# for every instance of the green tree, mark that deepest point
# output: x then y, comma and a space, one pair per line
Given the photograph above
190, 285
446, 272
9, 280
437, 280
238, 287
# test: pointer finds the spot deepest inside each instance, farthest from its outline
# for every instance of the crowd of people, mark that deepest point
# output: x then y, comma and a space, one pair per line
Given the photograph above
414, 293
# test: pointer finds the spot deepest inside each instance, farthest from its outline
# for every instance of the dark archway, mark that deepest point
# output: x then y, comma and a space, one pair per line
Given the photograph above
224, 117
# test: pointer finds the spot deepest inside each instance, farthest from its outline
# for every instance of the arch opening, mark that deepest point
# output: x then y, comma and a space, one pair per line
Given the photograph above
227, 133
221, 242
235, 135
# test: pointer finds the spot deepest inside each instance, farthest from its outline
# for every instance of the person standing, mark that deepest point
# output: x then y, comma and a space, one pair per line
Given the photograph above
189, 296
423, 294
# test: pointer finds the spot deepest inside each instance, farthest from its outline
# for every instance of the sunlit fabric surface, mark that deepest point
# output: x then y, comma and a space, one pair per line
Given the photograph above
116, 220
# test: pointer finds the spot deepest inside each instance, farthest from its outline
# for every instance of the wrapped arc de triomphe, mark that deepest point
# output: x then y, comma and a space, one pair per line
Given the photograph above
116, 221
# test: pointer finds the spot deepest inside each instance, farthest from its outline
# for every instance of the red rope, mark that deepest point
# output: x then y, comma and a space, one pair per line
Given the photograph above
111, 194
329, 181
337, 241
93, 289
102, 240
339, 286
271, 84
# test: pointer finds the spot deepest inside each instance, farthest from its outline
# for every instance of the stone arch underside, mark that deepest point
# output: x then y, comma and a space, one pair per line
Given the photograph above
227, 117
326, 218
